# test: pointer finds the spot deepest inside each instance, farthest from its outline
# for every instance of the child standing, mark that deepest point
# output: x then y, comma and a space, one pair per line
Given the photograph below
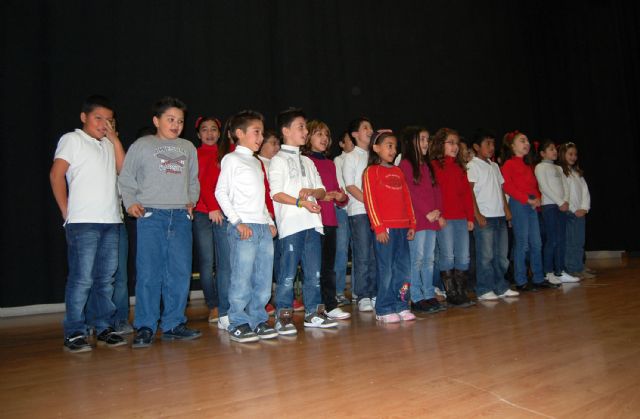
295, 188
457, 209
555, 203
524, 198
427, 201
240, 192
492, 214
159, 186
318, 141
363, 272
579, 205
88, 160
390, 211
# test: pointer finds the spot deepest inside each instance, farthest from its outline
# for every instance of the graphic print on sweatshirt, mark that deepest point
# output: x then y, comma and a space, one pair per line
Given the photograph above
172, 159
392, 181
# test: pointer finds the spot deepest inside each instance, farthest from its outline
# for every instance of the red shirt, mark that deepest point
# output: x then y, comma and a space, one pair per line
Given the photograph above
208, 174
457, 202
387, 199
519, 180
267, 191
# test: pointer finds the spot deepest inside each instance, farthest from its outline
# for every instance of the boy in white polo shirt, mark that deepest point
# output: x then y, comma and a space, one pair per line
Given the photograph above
295, 188
491, 216
88, 160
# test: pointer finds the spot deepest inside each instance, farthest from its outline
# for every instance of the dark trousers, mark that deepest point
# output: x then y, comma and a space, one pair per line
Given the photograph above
327, 271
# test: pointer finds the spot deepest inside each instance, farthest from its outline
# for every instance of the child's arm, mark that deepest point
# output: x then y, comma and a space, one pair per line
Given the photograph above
128, 183
112, 136
57, 178
349, 175
277, 172
194, 183
482, 221
223, 190
544, 173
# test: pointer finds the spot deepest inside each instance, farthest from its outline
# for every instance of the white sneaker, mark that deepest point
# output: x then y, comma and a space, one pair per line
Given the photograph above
565, 277
552, 278
365, 305
488, 296
338, 314
223, 323
509, 293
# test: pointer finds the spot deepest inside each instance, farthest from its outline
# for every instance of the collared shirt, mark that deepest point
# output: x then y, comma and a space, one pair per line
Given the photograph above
487, 186
354, 165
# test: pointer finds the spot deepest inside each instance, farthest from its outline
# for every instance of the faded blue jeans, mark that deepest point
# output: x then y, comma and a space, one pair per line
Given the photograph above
343, 239
555, 225
453, 244
251, 270
526, 238
422, 252
492, 248
393, 267
364, 262
575, 243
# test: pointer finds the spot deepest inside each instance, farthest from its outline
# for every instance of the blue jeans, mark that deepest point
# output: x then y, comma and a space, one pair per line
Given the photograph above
422, 252
575, 243
163, 266
343, 239
555, 225
492, 248
302, 247
211, 240
364, 262
453, 244
92, 253
251, 270
393, 267
526, 238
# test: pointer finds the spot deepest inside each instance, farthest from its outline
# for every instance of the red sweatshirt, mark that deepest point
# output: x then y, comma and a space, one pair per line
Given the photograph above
519, 180
208, 173
387, 199
457, 202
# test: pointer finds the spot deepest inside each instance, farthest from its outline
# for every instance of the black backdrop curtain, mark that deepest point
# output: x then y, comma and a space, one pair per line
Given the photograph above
552, 69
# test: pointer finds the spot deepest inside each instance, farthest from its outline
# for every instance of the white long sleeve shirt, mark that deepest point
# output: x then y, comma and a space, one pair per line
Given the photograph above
352, 170
339, 162
240, 189
552, 183
579, 197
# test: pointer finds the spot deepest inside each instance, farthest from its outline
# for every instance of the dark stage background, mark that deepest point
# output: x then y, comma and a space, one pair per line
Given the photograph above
557, 69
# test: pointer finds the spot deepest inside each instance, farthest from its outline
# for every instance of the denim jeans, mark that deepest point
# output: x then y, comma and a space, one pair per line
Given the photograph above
453, 244
526, 238
364, 262
393, 267
555, 225
343, 239
92, 253
211, 240
327, 271
422, 252
575, 243
251, 270
163, 266
492, 248
302, 247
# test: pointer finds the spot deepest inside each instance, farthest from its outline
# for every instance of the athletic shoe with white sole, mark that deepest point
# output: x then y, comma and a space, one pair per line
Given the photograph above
509, 293
319, 319
552, 278
338, 314
488, 296
565, 277
365, 305
388, 318
406, 315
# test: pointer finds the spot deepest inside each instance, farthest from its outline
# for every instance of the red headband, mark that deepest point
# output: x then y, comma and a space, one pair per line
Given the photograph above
511, 135
215, 121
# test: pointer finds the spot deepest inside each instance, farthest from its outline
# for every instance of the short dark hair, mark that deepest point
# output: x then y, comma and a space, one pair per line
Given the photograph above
286, 117
95, 101
482, 134
165, 103
354, 126
241, 120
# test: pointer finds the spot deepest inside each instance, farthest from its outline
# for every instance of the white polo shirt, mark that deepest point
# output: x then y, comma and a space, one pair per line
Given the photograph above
354, 165
487, 186
92, 178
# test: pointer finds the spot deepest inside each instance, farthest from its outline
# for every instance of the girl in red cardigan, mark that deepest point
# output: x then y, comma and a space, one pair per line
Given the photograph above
388, 205
457, 210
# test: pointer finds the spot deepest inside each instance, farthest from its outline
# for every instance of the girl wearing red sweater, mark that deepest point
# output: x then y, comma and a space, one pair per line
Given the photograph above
457, 210
388, 205
209, 224
524, 199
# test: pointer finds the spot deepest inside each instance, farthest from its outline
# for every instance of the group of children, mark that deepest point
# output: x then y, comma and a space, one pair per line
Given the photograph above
257, 210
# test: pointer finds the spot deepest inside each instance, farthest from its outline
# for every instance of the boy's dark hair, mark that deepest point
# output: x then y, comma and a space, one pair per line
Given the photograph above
354, 126
376, 139
240, 120
165, 103
410, 138
335, 150
436, 149
95, 101
268, 133
286, 117
144, 131
482, 134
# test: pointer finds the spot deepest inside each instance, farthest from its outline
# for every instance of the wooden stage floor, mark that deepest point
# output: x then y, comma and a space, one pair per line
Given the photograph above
572, 352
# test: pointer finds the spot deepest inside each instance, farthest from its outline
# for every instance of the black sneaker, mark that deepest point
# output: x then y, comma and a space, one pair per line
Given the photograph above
546, 285
77, 343
432, 305
110, 338
181, 332
526, 287
143, 338
243, 334
264, 331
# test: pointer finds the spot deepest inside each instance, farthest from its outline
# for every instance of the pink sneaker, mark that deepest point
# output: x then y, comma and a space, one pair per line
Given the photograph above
388, 318
406, 315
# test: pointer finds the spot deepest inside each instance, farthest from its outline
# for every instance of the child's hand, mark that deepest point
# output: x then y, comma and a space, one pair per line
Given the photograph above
382, 237
216, 216
507, 214
245, 231
470, 225
305, 193
311, 206
482, 220
433, 215
535, 202
411, 234
564, 207
339, 195
442, 222
274, 231
112, 134
580, 213
136, 210
329, 196
189, 207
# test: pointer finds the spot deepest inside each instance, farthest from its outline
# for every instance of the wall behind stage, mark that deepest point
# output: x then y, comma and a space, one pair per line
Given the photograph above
563, 70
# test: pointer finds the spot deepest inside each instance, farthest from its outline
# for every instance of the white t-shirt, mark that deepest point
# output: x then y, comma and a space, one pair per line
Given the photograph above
339, 162
352, 170
487, 186
289, 172
92, 179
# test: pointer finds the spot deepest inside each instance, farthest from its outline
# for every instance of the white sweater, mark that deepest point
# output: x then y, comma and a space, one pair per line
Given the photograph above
579, 197
552, 183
